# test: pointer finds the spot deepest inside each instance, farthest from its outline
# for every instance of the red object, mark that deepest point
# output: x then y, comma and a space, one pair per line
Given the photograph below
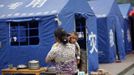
131, 13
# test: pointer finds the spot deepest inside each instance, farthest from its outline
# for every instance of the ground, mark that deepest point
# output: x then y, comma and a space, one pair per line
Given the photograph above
126, 67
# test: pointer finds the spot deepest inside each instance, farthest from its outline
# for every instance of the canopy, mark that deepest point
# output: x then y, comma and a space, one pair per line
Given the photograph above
26, 8
125, 9
109, 30
16, 17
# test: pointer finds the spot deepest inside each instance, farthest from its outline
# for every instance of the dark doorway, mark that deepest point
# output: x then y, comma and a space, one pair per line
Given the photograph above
131, 21
80, 28
117, 56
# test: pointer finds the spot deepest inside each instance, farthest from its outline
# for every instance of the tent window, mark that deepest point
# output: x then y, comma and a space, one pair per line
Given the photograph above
24, 33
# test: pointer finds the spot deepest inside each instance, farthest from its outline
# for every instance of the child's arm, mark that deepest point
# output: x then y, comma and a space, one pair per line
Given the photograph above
78, 50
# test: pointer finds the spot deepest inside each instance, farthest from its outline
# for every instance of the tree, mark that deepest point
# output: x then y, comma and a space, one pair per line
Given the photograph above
126, 1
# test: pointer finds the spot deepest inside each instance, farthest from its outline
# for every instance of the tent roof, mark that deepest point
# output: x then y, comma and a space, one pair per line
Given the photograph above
101, 8
27, 8
125, 8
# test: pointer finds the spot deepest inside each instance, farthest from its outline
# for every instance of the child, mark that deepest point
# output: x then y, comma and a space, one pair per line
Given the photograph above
73, 40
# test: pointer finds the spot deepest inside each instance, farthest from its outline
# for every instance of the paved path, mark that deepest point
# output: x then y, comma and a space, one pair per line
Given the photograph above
116, 68
130, 72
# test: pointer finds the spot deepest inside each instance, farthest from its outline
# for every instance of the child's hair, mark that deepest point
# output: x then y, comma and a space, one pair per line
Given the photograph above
75, 33
61, 35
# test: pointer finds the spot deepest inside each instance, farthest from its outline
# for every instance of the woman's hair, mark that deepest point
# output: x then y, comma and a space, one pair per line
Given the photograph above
61, 35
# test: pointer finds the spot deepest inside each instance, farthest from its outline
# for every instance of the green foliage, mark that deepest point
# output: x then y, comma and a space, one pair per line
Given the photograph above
132, 2
126, 1
122, 1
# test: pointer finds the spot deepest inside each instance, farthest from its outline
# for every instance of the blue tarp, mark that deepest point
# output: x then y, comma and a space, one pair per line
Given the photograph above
125, 9
109, 30
49, 14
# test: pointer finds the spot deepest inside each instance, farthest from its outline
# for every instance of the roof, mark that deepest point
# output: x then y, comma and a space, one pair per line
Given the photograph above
26, 8
125, 8
101, 8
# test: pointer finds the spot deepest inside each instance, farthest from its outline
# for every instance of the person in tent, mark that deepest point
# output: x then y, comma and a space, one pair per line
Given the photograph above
73, 38
62, 54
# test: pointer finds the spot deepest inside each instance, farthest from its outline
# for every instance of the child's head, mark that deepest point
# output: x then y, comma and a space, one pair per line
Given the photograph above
73, 37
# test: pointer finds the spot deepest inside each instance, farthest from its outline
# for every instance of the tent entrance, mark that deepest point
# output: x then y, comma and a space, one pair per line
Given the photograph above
131, 19
117, 56
80, 28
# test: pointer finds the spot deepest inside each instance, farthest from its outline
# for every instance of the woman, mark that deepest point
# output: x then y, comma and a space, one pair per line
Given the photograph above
62, 54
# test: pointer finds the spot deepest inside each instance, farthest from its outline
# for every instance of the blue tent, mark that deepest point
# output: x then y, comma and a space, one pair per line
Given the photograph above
109, 30
27, 26
125, 9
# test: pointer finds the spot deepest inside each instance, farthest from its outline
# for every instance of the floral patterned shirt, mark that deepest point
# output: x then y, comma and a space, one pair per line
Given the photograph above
64, 58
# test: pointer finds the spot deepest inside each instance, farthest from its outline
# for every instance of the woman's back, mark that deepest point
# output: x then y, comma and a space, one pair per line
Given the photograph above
64, 53
64, 57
